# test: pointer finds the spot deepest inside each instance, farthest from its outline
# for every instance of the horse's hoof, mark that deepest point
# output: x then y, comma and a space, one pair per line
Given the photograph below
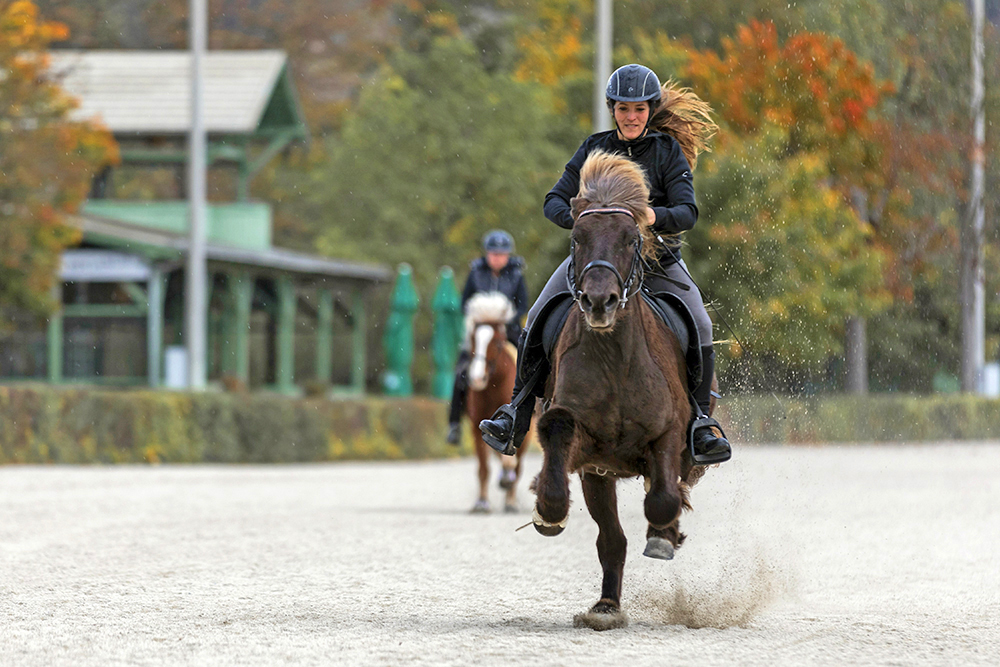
511, 508
481, 507
546, 528
507, 479
657, 547
605, 615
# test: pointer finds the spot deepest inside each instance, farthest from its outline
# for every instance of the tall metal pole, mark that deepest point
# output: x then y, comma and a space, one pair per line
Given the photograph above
602, 63
973, 293
196, 273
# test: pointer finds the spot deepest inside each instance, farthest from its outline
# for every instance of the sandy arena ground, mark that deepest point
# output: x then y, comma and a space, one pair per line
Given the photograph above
824, 556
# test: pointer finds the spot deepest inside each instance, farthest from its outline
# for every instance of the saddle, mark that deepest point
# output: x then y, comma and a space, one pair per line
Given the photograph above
540, 338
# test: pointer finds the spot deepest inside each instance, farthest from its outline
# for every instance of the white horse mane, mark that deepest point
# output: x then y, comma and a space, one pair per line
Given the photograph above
492, 307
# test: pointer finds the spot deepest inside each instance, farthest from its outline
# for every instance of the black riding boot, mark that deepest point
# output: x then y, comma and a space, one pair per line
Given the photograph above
505, 431
459, 393
710, 445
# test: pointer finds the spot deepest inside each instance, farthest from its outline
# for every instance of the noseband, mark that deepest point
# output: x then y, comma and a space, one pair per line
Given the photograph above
623, 285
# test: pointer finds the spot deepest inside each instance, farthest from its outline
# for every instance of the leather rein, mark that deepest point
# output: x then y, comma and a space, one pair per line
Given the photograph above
635, 274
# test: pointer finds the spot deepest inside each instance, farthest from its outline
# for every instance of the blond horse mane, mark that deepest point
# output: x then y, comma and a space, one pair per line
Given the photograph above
487, 308
610, 180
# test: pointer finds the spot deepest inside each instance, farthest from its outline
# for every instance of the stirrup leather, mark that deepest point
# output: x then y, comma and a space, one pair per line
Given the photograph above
701, 459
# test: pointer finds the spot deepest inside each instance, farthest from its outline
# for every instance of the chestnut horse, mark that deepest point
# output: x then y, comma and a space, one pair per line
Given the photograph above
491, 379
618, 402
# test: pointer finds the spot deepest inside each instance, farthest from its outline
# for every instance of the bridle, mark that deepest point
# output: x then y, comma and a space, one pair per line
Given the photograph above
635, 274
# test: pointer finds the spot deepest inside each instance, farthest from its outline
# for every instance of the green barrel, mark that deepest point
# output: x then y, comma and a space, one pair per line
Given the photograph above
398, 338
448, 331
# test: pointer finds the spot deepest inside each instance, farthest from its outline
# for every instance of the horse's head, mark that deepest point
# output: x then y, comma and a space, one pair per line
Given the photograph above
486, 329
610, 237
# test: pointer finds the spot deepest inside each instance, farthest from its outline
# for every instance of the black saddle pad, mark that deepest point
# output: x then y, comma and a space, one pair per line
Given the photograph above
544, 332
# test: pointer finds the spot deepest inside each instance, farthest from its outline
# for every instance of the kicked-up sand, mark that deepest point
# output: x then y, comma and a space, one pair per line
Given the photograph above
870, 555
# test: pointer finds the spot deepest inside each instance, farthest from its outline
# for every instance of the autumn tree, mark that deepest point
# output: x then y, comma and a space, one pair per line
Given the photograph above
780, 243
46, 160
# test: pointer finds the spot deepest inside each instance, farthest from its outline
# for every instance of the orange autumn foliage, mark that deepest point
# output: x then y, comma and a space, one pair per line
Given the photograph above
47, 160
811, 85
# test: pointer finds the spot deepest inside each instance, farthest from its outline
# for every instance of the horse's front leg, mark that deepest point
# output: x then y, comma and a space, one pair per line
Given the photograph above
482, 505
556, 430
664, 498
602, 502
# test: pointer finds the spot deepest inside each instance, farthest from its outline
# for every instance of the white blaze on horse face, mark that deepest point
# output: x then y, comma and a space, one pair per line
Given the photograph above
477, 369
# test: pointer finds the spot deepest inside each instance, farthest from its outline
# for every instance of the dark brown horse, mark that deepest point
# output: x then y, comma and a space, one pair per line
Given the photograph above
619, 404
491, 378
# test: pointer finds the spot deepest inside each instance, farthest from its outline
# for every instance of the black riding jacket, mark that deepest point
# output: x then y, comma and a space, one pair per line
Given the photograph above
510, 282
671, 190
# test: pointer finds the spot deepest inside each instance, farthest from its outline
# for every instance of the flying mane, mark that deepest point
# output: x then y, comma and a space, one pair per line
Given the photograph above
610, 180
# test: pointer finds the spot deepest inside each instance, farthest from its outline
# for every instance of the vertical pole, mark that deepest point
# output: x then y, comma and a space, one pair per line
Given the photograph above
602, 63
359, 342
973, 294
195, 275
242, 295
55, 336
154, 324
856, 340
286, 335
324, 337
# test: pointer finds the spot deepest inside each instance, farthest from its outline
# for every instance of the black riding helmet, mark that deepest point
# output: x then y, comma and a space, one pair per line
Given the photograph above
498, 241
633, 83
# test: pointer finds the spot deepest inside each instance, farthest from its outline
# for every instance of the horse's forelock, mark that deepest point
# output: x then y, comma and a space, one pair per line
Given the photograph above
492, 307
612, 180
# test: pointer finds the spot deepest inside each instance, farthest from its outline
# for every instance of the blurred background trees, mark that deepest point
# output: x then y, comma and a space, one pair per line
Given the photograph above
46, 162
836, 189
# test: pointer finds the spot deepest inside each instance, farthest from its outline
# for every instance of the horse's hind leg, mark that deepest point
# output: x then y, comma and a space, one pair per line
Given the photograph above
664, 499
602, 502
556, 431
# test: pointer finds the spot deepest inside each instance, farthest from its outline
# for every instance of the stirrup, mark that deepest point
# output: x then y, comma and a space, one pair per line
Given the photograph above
505, 446
706, 459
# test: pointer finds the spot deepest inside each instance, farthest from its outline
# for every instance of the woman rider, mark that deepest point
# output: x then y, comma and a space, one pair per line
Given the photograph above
497, 270
633, 96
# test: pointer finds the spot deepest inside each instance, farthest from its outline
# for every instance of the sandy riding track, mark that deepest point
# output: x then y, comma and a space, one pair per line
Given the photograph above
832, 555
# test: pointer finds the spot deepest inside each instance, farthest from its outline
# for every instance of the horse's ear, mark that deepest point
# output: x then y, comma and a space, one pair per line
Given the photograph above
578, 205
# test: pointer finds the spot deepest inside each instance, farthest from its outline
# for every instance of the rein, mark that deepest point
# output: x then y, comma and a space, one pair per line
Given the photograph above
624, 285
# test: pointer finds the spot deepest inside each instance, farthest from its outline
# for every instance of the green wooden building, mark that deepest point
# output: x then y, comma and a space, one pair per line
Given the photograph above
277, 318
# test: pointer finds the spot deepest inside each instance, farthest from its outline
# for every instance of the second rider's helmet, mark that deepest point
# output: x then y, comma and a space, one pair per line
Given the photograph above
498, 241
633, 83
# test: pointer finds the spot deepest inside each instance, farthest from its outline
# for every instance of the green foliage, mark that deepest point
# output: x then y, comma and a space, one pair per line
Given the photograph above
437, 152
40, 424
782, 250
878, 418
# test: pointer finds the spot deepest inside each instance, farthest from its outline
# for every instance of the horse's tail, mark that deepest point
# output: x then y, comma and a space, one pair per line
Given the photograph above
687, 118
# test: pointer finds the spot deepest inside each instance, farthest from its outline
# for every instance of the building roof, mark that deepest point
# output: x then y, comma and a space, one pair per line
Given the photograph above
149, 92
159, 244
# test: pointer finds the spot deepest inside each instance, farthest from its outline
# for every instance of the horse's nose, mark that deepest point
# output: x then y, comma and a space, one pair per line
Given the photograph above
599, 304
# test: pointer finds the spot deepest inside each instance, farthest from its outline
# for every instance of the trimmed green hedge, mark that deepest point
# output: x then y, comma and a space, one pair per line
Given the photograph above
873, 418
43, 424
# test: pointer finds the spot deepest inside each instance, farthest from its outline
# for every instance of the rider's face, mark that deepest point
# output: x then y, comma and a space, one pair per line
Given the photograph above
631, 118
497, 260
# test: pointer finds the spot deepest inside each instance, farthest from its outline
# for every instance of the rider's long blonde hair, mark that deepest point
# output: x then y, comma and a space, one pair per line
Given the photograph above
687, 118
